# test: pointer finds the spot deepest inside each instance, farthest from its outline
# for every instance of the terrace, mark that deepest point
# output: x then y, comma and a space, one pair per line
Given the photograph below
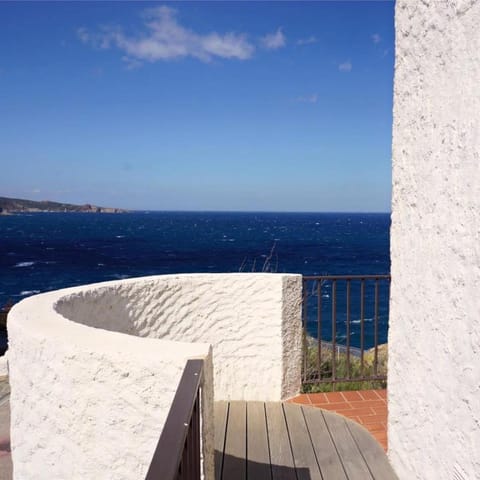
205, 362
94, 370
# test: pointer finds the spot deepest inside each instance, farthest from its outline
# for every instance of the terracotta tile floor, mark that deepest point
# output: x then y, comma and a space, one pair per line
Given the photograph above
366, 407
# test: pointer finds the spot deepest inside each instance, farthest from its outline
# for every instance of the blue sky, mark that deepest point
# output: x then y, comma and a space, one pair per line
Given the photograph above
198, 106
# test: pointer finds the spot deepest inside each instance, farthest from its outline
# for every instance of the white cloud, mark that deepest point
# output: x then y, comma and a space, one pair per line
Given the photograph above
83, 35
345, 66
273, 41
307, 41
165, 39
376, 38
313, 98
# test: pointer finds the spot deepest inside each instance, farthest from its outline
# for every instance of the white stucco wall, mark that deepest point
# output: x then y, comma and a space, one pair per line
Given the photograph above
88, 403
252, 321
434, 337
93, 369
4, 365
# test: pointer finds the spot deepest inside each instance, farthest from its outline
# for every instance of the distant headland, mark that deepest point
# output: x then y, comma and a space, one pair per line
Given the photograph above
18, 205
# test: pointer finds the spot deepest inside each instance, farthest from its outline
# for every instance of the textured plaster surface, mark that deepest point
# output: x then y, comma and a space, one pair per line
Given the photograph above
89, 403
434, 337
4, 365
292, 347
5, 457
94, 369
252, 321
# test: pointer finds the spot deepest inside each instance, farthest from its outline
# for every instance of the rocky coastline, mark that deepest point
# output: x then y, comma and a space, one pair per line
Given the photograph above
9, 206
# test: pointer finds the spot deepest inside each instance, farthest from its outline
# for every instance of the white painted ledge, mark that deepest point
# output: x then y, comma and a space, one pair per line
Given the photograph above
93, 369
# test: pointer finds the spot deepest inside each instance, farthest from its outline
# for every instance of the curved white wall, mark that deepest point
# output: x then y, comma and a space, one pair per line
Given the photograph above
434, 338
253, 322
89, 401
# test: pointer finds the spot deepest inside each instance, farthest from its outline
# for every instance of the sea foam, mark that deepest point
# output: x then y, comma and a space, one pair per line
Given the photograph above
24, 264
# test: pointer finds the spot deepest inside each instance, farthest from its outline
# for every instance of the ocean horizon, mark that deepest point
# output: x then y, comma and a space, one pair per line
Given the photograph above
40, 252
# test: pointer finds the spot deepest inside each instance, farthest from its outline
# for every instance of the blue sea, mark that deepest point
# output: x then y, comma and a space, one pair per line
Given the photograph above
47, 251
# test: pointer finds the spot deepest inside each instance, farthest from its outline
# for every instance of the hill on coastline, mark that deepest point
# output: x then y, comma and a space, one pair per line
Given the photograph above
19, 205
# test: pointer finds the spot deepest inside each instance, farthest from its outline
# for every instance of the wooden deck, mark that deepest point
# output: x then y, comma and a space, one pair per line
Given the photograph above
285, 441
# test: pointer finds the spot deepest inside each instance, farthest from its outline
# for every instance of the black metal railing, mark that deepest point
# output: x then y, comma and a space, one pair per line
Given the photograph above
345, 325
177, 456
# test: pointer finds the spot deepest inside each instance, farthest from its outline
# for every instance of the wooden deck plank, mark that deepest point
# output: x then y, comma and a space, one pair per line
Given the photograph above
258, 452
275, 441
221, 416
352, 460
234, 460
303, 453
327, 455
283, 467
372, 452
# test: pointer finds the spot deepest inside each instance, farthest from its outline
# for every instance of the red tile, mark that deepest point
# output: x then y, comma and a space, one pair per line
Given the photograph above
352, 396
317, 398
346, 413
368, 403
355, 419
380, 434
303, 399
369, 394
380, 411
334, 397
362, 412
373, 420
334, 406
375, 428
382, 394
366, 407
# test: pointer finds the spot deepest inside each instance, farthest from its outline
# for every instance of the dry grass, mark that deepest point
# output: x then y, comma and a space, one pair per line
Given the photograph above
352, 369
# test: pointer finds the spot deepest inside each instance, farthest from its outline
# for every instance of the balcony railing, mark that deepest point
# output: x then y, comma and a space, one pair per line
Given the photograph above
345, 324
177, 456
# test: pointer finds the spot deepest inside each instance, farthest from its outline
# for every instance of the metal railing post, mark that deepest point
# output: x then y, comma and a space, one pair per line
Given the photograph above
177, 456
342, 369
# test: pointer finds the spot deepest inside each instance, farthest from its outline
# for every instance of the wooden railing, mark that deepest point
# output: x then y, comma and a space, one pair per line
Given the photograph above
345, 322
177, 456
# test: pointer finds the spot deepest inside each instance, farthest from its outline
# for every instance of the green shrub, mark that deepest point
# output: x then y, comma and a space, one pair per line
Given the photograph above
315, 369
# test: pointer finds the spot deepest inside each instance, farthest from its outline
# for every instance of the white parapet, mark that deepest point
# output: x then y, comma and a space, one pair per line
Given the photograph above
434, 336
253, 322
93, 369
